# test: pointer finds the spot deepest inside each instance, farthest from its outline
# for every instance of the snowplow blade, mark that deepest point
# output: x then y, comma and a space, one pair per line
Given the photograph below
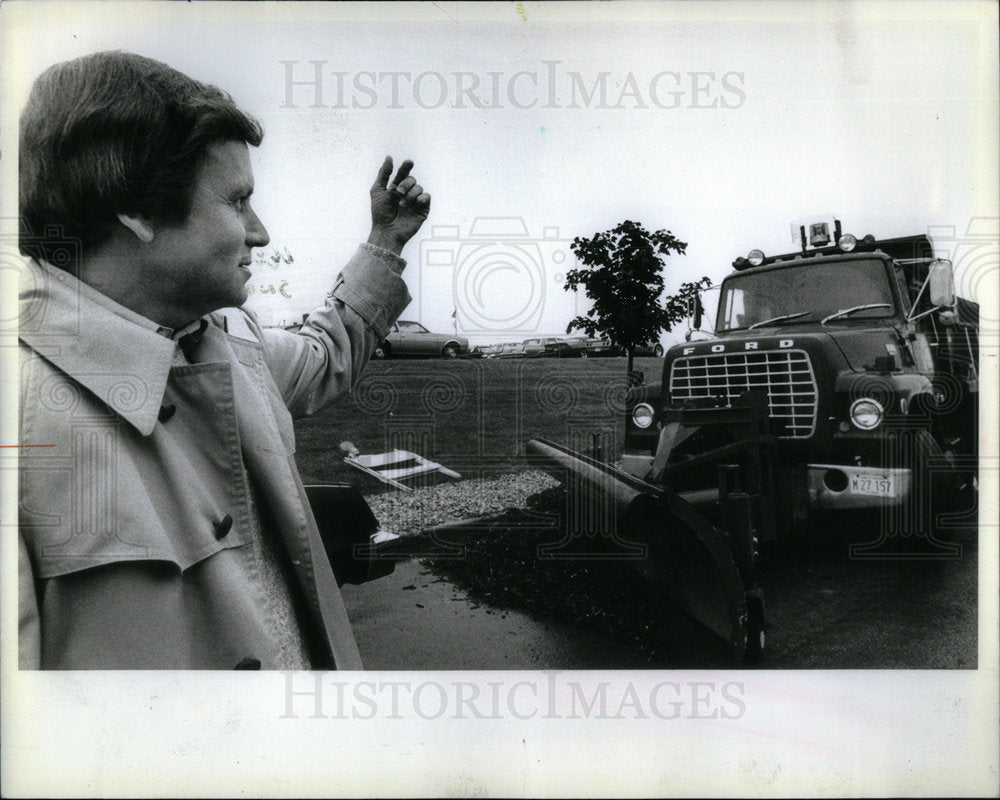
675, 548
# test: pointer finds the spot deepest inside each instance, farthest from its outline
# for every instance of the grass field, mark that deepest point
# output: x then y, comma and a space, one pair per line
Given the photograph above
473, 416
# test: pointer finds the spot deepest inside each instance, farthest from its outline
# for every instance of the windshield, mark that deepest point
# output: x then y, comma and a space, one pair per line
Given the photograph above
806, 293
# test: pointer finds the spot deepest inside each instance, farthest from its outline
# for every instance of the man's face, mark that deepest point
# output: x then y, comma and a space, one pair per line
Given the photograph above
203, 262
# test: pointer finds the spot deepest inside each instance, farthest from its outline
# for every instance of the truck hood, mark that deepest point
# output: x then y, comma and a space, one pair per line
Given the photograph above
861, 346
858, 346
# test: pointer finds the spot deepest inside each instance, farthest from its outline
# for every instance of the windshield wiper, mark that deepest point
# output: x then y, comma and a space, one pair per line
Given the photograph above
846, 311
782, 318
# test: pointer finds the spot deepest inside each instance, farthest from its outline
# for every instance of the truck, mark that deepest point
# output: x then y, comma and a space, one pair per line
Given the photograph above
840, 377
869, 363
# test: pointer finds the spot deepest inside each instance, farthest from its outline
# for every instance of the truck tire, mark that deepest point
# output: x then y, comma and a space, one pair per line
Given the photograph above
939, 485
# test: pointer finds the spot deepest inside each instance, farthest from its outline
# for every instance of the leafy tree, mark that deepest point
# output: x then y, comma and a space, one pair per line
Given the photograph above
622, 274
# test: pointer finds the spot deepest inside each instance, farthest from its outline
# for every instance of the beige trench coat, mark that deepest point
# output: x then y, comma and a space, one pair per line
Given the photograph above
134, 494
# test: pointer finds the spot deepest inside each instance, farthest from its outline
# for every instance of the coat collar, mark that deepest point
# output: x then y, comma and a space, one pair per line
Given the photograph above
112, 351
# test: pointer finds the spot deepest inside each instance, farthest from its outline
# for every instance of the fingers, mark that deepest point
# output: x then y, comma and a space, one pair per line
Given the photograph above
383, 173
404, 187
404, 171
423, 203
416, 196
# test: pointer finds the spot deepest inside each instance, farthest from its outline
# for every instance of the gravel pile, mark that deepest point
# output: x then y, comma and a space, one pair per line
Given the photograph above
407, 513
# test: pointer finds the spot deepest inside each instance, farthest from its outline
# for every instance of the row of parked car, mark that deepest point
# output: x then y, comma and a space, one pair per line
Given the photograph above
407, 338
550, 347
572, 347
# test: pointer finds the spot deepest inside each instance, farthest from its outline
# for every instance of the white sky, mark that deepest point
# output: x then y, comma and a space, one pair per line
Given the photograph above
883, 115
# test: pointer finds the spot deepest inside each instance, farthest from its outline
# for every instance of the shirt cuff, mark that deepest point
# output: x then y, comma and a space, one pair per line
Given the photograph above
391, 260
370, 286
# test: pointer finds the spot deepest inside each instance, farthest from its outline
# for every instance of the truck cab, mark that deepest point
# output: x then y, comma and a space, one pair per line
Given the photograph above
868, 362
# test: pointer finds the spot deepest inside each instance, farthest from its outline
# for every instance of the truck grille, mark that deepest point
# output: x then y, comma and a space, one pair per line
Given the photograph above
786, 375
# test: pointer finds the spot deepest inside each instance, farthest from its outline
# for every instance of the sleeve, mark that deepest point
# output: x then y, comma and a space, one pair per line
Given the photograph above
325, 358
28, 627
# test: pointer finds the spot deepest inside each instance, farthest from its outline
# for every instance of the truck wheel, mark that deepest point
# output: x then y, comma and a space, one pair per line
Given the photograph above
450, 351
933, 479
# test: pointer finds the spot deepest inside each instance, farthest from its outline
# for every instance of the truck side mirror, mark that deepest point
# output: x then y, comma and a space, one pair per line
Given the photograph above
942, 284
698, 310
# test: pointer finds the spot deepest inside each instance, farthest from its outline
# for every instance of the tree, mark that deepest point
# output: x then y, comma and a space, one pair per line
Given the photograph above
623, 276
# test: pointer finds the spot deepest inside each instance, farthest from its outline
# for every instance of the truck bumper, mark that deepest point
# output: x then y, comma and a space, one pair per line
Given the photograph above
828, 486
842, 487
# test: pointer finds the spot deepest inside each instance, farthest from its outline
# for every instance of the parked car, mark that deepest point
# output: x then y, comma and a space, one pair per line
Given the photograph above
511, 350
596, 347
408, 338
654, 349
489, 350
574, 347
548, 346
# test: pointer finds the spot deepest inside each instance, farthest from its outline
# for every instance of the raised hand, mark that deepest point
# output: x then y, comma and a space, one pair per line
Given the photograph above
398, 208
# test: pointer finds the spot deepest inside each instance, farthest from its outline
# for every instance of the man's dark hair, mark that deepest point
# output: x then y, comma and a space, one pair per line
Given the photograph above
115, 133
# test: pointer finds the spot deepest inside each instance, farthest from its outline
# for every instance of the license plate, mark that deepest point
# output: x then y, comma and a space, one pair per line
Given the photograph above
875, 487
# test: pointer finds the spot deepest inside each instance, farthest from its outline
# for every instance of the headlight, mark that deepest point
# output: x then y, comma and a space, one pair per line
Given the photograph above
847, 242
866, 413
755, 257
642, 415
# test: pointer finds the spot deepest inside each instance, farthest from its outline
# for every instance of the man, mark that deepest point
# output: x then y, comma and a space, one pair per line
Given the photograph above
163, 522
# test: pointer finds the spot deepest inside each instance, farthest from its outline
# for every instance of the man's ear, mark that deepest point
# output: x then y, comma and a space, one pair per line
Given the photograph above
139, 226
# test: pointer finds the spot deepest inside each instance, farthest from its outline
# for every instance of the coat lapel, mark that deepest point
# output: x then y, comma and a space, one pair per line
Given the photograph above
270, 461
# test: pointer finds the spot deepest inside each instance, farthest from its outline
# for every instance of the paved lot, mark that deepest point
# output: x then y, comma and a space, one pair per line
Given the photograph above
415, 620
826, 610
829, 610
